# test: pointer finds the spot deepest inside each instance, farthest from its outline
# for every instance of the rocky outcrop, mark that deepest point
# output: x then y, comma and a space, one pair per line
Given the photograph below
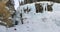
5, 14
39, 8
27, 1
31, 1
49, 7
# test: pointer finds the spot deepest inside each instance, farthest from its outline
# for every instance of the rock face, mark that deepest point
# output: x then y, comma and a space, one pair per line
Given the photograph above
21, 3
31, 1
49, 7
10, 5
5, 14
39, 8
28, 1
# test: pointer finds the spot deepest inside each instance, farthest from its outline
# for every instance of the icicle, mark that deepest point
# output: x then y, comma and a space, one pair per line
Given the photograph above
21, 18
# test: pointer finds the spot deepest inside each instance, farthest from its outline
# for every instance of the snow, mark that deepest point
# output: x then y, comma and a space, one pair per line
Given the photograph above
16, 2
2, 28
36, 22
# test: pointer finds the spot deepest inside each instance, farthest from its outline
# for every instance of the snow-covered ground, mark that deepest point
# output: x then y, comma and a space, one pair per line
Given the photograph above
37, 22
